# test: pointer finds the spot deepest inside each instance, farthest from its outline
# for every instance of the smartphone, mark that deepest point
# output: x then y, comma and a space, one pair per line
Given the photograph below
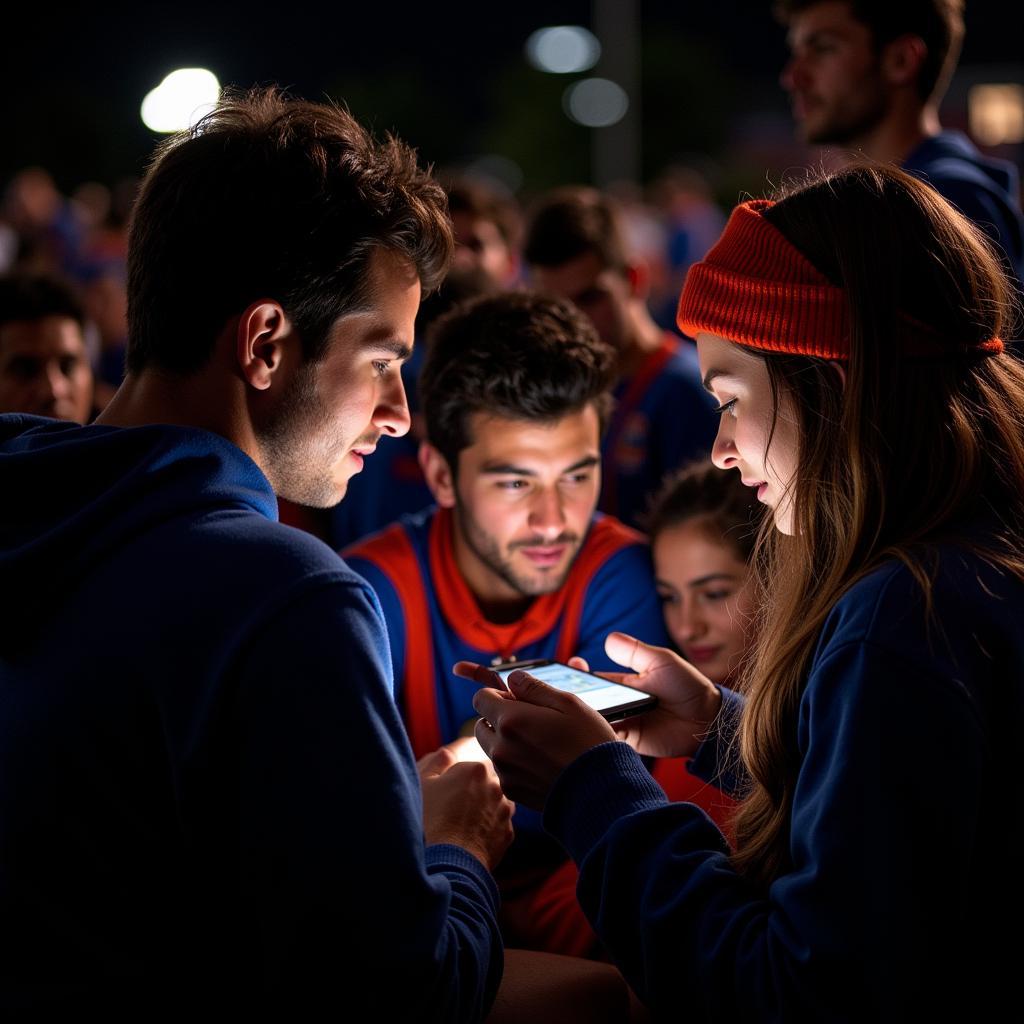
612, 700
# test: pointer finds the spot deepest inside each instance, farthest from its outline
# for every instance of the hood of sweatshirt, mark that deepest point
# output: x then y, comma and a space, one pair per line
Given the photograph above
69, 495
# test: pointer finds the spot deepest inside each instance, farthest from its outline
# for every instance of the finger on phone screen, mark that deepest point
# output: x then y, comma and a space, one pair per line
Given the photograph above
479, 674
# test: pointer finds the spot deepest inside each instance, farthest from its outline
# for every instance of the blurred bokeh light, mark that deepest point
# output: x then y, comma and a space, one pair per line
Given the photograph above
596, 102
563, 49
180, 100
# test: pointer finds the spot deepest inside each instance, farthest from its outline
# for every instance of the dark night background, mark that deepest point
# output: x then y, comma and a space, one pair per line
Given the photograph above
449, 78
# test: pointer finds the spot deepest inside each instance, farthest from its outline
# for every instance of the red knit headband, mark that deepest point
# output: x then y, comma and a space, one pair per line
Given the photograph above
756, 288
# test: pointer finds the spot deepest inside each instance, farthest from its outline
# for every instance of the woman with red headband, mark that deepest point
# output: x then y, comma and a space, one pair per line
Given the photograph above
850, 332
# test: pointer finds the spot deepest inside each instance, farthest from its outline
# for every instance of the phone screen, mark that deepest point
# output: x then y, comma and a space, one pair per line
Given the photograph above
611, 699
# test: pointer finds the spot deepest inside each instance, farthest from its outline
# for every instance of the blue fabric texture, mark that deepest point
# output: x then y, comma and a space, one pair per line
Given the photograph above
982, 188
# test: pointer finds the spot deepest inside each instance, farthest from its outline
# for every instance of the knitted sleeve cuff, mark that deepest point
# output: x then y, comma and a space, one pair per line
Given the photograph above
593, 792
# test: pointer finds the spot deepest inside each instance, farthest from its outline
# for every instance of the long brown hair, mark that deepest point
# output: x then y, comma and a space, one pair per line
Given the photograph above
896, 452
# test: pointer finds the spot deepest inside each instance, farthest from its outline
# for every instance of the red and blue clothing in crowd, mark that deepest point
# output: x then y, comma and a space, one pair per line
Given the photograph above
433, 621
663, 419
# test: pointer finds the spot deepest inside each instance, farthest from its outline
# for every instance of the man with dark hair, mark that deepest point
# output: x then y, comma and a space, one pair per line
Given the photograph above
869, 75
576, 248
44, 365
514, 563
486, 225
207, 795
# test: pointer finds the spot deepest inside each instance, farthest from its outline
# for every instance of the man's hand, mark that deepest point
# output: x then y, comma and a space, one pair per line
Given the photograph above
463, 803
531, 731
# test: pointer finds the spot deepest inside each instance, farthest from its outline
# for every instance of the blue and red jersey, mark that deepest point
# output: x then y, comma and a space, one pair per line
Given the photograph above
434, 621
663, 419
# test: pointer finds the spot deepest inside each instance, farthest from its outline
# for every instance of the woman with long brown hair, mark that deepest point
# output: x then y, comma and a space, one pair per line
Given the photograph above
851, 333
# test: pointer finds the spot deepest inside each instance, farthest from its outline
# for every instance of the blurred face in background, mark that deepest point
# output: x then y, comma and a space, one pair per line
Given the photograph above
705, 590
479, 244
44, 369
602, 293
834, 75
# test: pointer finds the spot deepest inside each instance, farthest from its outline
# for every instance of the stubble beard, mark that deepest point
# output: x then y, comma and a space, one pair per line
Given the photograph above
488, 551
293, 442
846, 127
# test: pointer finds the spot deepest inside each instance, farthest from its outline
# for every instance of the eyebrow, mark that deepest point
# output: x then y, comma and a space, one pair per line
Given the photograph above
398, 349
711, 375
509, 469
711, 577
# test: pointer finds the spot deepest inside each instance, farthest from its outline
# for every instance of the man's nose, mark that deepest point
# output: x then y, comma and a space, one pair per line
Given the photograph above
392, 413
547, 516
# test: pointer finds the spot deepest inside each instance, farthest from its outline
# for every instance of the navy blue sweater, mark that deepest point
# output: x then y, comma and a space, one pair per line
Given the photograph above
984, 189
206, 794
905, 837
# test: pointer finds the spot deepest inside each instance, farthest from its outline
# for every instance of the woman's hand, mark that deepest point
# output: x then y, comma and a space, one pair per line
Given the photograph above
531, 731
688, 702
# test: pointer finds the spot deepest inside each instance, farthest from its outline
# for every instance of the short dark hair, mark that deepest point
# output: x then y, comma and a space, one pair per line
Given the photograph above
27, 296
940, 23
715, 498
572, 221
483, 202
271, 197
518, 355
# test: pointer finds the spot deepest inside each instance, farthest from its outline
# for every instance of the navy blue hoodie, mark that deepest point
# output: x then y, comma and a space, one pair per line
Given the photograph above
982, 188
206, 794
904, 892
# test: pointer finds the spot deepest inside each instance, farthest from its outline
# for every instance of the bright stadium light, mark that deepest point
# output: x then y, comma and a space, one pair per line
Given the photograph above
180, 100
595, 102
995, 114
563, 49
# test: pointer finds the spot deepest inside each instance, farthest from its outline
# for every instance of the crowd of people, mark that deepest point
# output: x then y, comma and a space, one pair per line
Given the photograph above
311, 441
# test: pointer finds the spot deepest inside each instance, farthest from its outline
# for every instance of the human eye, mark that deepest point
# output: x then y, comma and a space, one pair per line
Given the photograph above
821, 44
666, 596
727, 407
581, 476
381, 366
512, 484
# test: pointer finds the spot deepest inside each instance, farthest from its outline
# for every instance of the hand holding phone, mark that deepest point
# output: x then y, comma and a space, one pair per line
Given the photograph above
613, 700
530, 730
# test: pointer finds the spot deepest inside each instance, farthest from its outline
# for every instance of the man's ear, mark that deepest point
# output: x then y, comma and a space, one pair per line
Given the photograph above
261, 339
903, 58
438, 475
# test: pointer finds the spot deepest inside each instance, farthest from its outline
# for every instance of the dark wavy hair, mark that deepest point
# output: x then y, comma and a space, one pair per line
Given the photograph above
905, 452
518, 355
271, 198
716, 498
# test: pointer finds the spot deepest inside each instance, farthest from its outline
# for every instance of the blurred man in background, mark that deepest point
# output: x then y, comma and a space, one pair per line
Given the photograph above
44, 365
868, 75
487, 228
